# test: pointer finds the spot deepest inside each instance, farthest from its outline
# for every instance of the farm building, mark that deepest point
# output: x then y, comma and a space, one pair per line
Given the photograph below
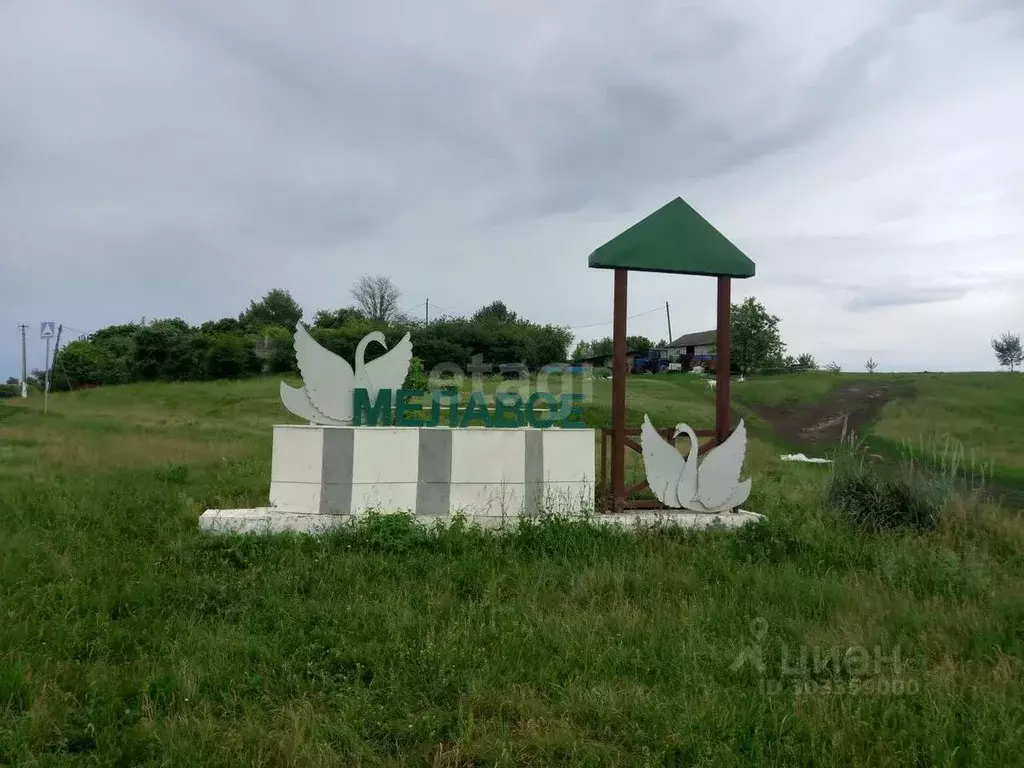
698, 347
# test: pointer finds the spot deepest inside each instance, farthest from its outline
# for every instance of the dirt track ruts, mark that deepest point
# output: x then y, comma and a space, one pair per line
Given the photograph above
822, 423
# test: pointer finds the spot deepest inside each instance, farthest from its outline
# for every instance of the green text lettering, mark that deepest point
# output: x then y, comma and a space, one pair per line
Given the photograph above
569, 410
435, 407
476, 410
404, 409
376, 413
535, 419
505, 403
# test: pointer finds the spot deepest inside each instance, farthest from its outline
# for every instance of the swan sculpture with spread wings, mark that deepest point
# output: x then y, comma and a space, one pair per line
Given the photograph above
678, 481
329, 380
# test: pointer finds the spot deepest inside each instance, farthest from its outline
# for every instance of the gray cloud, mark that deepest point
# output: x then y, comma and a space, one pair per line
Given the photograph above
868, 300
476, 151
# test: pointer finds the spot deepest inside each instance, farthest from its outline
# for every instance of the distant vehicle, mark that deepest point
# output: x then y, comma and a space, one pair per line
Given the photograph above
649, 365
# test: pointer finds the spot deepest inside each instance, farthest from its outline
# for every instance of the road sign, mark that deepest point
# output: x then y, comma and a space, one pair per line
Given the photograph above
47, 330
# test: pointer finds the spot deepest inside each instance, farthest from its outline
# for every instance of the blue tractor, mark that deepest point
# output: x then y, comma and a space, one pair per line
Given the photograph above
651, 361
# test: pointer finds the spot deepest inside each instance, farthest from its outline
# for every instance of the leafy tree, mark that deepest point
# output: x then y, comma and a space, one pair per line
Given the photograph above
603, 346
756, 343
277, 307
115, 334
171, 322
377, 297
280, 352
163, 350
416, 378
224, 325
638, 344
606, 346
227, 356
85, 362
806, 362
496, 311
338, 318
1008, 350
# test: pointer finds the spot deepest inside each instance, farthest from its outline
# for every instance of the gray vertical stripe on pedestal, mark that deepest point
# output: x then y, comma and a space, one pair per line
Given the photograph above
534, 501
434, 479
336, 477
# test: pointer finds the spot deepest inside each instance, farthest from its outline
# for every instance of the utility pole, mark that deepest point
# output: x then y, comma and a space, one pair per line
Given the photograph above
46, 378
46, 332
56, 347
426, 314
668, 317
24, 363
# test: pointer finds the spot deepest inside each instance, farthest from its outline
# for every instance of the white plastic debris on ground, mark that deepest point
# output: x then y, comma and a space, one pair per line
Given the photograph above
801, 457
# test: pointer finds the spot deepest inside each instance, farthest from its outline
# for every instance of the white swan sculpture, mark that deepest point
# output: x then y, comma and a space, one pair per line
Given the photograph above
678, 482
329, 380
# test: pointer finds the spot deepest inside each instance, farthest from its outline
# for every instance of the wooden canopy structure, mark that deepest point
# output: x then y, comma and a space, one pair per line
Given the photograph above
674, 239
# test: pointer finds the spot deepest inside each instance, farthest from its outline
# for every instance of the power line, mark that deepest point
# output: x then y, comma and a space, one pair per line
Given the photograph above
445, 309
609, 322
410, 309
79, 331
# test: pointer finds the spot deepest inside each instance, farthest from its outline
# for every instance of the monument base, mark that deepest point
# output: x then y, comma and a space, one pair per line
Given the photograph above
269, 520
429, 471
324, 477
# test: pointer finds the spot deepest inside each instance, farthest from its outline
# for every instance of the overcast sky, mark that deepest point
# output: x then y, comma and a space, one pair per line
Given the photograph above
178, 158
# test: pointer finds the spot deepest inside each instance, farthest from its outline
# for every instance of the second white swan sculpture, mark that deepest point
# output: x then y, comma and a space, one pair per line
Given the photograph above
678, 481
329, 380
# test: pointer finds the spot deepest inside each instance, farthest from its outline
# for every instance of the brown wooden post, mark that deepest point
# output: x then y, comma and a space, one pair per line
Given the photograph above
619, 391
722, 364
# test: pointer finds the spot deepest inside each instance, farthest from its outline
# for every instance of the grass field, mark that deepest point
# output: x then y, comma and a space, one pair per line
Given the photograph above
983, 412
128, 637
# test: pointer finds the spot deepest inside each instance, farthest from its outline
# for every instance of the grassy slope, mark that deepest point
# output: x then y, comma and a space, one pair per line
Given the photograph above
984, 412
129, 636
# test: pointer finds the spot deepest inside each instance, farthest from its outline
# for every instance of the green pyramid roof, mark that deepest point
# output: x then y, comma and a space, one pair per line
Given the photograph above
675, 238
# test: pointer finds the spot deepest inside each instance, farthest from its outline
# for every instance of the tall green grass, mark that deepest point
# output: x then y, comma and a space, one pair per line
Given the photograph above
914, 491
129, 637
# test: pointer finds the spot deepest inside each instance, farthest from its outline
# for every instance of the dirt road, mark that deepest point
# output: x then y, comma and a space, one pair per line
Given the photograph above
821, 423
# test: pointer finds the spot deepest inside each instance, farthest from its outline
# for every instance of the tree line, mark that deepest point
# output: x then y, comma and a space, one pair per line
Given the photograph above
260, 340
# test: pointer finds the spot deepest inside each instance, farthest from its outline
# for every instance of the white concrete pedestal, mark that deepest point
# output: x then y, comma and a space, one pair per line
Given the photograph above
325, 476
431, 472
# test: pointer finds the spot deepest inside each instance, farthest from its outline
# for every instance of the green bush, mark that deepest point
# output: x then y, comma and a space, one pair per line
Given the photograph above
876, 498
229, 356
280, 350
416, 378
88, 363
